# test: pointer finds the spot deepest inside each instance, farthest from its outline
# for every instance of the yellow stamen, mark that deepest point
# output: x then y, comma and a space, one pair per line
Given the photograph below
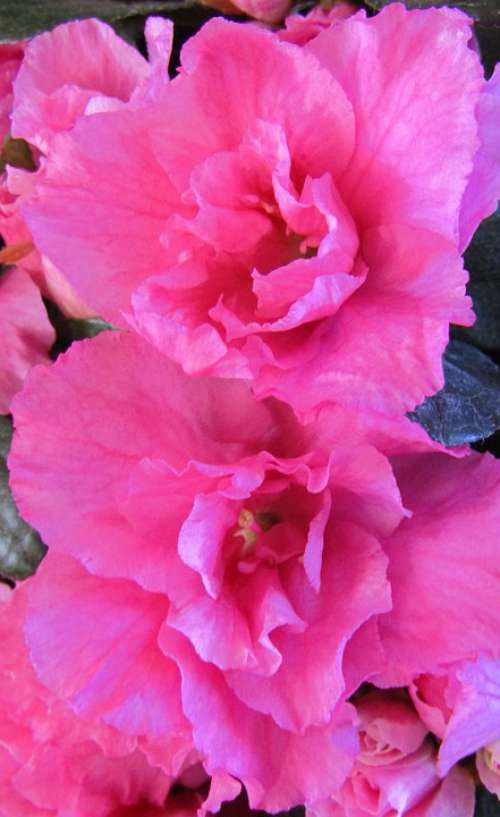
246, 521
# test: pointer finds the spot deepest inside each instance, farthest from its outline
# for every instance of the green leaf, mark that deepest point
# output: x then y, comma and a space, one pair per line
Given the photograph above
24, 18
81, 328
21, 549
467, 409
487, 804
70, 329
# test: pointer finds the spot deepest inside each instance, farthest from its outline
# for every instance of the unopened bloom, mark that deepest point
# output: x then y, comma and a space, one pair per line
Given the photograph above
396, 773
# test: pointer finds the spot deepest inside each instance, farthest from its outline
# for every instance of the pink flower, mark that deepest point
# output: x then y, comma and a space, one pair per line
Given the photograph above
396, 773
285, 214
231, 569
55, 763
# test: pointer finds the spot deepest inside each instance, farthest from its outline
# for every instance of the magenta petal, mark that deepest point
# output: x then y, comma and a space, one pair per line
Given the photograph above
26, 335
217, 630
278, 768
81, 224
94, 642
382, 350
483, 188
445, 593
416, 129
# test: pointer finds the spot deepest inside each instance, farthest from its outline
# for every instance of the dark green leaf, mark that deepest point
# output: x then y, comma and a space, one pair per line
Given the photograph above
482, 259
21, 548
71, 329
24, 18
487, 804
81, 328
468, 408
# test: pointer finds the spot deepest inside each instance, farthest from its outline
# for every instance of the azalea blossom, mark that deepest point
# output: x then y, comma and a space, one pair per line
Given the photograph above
232, 571
285, 214
218, 551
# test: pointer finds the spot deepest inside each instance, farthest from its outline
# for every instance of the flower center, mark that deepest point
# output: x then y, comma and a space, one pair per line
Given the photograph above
251, 527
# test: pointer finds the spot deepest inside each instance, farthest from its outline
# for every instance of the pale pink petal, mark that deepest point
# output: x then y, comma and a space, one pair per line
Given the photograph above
397, 786
455, 796
278, 768
488, 767
390, 728
475, 716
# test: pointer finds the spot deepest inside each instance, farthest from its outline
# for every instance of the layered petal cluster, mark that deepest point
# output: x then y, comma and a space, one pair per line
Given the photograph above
396, 771
285, 213
231, 571
221, 551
